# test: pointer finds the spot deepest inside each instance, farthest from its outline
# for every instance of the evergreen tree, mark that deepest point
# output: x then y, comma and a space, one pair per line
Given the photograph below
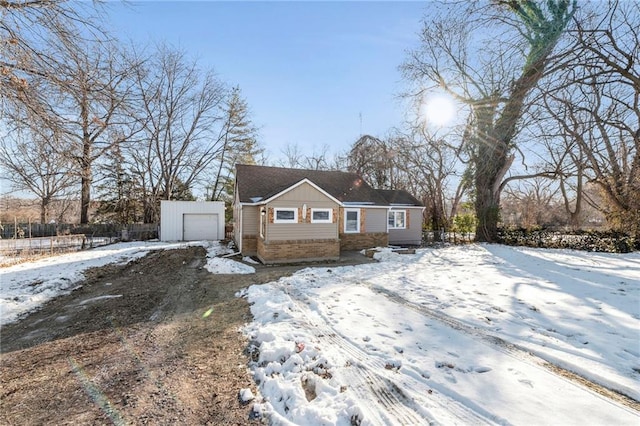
119, 196
240, 144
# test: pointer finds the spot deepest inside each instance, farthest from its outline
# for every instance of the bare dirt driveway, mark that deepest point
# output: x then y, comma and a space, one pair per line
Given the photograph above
155, 341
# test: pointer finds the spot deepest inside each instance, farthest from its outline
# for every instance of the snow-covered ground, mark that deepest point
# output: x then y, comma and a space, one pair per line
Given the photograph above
27, 286
459, 335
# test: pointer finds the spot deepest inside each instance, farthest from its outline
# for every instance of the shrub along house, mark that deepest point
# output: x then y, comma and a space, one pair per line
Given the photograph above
287, 215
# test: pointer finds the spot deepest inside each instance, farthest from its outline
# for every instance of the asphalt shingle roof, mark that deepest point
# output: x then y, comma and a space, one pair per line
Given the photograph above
258, 183
399, 196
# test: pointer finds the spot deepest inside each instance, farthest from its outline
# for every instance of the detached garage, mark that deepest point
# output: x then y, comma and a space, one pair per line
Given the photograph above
191, 220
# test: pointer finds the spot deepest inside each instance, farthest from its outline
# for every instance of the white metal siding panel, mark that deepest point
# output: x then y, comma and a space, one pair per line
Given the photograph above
171, 217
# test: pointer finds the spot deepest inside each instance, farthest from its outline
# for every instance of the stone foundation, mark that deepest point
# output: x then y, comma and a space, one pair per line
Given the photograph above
297, 250
363, 241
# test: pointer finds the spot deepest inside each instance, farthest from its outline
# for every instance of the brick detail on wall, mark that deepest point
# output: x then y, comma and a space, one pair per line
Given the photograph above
297, 250
249, 245
363, 241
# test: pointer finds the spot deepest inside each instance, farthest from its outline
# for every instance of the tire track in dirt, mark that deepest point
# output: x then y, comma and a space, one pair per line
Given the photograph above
507, 347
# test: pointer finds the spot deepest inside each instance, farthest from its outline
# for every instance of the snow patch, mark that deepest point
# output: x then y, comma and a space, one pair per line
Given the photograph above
245, 395
446, 336
25, 287
219, 265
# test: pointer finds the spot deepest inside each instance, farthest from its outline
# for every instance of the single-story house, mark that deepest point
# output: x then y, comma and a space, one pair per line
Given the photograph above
286, 215
191, 220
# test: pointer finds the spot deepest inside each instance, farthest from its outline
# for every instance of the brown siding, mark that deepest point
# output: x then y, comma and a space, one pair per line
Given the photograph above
237, 208
376, 220
304, 193
371, 220
307, 231
304, 229
413, 234
250, 215
250, 220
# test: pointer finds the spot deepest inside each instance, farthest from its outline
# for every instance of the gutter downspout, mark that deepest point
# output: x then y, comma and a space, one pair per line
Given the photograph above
240, 229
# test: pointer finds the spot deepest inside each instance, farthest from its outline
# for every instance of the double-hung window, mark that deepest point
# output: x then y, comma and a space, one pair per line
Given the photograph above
285, 215
351, 220
397, 219
321, 215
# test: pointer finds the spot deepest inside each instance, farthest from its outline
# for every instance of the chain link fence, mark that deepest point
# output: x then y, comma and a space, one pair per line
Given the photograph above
25, 241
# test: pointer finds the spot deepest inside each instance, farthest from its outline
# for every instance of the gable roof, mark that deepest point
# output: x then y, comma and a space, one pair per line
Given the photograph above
399, 197
259, 183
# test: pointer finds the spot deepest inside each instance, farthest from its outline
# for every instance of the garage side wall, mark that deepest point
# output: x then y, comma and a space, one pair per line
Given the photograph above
172, 217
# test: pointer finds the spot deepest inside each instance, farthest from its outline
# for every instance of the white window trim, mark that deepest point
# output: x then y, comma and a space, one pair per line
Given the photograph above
278, 209
404, 212
357, 221
330, 220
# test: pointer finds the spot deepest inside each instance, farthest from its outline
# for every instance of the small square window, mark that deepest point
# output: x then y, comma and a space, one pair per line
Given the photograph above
397, 219
321, 215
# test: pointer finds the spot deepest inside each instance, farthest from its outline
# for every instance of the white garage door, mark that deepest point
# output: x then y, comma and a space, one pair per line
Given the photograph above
199, 227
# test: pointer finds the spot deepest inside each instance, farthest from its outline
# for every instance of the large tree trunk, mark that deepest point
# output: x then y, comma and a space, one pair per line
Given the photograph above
493, 144
85, 197
494, 138
85, 183
488, 214
493, 164
44, 210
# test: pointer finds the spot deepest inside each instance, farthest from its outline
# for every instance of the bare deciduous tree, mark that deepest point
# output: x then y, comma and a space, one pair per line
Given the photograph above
533, 202
490, 57
600, 108
372, 158
59, 66
28, 30
182, 111
91, 96
33, 163
429, 167
318, 159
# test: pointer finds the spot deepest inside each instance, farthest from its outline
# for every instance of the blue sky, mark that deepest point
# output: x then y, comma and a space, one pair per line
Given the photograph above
307, 69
